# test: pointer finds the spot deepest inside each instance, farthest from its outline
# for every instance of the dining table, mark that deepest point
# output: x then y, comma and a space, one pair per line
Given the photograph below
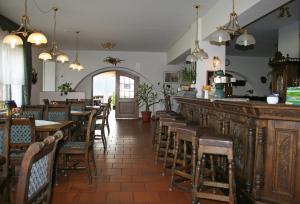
45, 127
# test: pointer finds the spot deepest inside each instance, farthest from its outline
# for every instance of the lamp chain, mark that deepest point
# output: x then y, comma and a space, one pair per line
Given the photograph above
54, 30
77, 33
197, 8
25, 6
233, 6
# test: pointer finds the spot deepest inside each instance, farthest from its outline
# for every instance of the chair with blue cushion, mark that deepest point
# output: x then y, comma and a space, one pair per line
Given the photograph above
4, 152
33, 110
84, 149
36, 174
57, 112
77, 105
22, 134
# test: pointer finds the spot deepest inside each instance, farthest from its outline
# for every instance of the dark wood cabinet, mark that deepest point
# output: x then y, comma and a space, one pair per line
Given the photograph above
266, 146
285, 73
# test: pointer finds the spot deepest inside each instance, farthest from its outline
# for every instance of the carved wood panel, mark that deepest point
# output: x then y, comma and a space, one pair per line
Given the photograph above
285, 147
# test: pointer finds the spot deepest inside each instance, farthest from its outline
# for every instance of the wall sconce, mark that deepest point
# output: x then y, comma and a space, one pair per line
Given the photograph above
216, 61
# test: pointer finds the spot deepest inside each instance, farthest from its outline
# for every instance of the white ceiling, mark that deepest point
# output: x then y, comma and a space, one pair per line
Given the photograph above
265, 31
134, 25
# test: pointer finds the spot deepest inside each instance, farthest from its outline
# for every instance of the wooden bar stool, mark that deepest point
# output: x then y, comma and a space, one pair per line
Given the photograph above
220, 145
160, 114
171, 126
161, 140
184, 163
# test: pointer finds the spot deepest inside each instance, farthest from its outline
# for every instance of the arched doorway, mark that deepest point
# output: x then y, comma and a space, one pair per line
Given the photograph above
121, 86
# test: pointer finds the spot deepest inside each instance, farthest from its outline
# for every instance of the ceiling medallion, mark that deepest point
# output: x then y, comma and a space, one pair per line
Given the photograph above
108, 45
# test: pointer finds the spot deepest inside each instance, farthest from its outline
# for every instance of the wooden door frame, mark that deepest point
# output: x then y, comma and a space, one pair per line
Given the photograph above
136, 83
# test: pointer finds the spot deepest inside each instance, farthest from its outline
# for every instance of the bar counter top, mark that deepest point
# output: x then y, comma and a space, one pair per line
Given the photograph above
266, 145
256, 109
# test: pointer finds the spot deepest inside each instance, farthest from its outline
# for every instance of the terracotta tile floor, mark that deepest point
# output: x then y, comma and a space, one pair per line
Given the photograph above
126, 172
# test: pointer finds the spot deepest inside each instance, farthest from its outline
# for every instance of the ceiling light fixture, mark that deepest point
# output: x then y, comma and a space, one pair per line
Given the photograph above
75, 64
54, 51
224, 33
34, 36
198, 53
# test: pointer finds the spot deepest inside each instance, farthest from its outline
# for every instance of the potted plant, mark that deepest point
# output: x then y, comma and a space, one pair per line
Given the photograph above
147, 97
65, 88
187, 77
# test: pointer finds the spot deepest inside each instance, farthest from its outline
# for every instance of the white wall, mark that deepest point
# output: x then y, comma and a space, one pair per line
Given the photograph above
150, 67
288, 40
252, 68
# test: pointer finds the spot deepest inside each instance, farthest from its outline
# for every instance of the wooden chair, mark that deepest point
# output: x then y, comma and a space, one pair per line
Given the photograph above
4, 153
59, 102
22, 135
33, 110
46, 101
70, 100
77, 105
99, 133
35, 178
56, 112
88, 102
104, 116
82, 148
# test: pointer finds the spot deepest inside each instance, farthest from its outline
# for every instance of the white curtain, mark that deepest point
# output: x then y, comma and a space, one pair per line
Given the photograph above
11, 72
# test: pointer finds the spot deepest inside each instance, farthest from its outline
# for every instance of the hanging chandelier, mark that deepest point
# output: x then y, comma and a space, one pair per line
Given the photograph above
198, 53
34, 36
75, 64
54, 51
224, 33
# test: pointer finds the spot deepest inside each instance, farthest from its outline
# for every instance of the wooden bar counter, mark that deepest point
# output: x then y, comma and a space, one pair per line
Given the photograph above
266, 145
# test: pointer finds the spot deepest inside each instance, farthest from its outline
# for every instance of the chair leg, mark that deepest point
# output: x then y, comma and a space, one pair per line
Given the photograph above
174, 165
197, 178
93, 161
106, 120
166, 153
158, 144
88, 168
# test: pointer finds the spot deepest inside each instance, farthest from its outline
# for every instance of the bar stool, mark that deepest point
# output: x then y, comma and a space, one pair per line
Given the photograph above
161, 114
161, 139
184, 163
171, 126
213, 144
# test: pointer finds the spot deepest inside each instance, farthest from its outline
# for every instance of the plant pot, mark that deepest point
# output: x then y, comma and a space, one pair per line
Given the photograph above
146, 116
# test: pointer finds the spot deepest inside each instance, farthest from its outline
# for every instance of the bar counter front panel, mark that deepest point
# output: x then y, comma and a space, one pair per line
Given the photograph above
266, 145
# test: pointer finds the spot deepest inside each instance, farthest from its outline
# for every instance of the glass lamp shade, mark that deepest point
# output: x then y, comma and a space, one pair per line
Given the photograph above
201, 54
220, 36
245, 39
73, 65
37, 38
80, 67
62, 58
12, 40
45, 56
191, 58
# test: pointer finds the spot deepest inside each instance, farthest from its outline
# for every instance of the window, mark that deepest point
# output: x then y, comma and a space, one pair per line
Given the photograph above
11, 72
126, 87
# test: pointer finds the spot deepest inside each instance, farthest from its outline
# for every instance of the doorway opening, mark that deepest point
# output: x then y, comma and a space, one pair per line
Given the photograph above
121, 86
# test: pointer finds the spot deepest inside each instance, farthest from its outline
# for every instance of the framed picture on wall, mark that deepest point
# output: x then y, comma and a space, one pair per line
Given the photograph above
171, 77
209, 77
